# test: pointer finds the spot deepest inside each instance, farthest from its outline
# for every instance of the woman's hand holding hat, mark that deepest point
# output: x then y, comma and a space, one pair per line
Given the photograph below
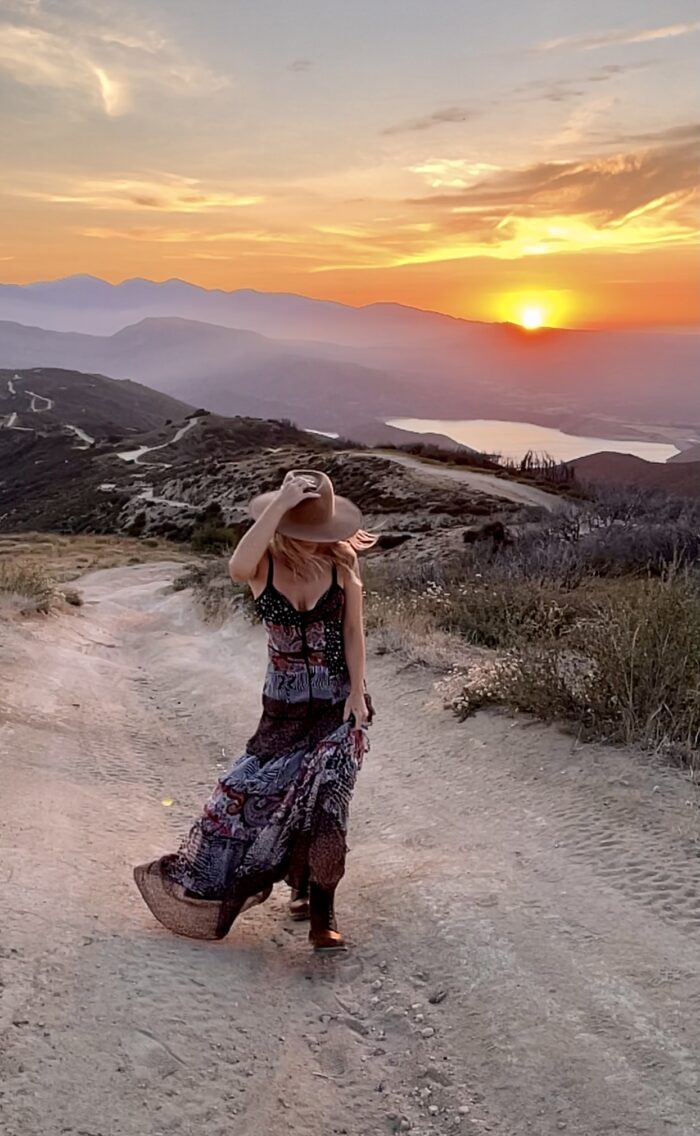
294, 489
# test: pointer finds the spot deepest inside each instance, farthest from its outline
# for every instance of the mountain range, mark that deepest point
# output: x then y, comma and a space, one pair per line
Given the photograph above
332, 367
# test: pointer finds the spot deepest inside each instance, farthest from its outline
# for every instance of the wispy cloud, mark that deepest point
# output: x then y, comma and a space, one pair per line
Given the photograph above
568, 89
429, 121
686, 133
192, 237
300, 65
81, 53
621, 36
453, 173
609, 187
167, 194
632, 201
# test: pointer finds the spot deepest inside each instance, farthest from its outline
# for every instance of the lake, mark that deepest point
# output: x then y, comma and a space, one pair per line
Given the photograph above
514, 439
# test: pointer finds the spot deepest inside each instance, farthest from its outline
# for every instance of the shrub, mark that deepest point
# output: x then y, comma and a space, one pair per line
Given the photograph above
26, 586
137, 525
628, 673
210, 536
596, 619
214, 591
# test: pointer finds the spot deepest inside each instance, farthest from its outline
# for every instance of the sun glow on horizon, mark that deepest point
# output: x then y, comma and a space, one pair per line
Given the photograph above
533, 309
532, 317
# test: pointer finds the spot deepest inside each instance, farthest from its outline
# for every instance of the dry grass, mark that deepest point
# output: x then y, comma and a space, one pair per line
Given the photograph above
36, 568
65, 558
602, 633
25, 588
214, 593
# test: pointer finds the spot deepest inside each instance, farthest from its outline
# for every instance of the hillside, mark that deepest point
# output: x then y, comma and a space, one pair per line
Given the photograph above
107, 475
615, 470
691, 454
46, 398
326, 363
230, 372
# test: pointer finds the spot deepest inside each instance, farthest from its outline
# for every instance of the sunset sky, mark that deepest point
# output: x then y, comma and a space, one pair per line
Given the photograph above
475, 158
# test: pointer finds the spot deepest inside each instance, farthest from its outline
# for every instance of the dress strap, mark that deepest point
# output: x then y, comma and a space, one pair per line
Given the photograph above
270, 569
334, 578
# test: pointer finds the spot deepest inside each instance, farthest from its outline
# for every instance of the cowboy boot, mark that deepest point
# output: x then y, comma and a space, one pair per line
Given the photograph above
299, 901
324, 935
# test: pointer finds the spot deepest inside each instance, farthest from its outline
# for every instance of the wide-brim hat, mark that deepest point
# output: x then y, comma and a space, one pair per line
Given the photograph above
323, 519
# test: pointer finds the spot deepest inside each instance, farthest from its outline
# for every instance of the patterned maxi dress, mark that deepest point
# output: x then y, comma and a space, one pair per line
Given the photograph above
281, 811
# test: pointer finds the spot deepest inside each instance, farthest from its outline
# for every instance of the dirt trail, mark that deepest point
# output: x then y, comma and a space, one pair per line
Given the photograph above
525, 911
481, 482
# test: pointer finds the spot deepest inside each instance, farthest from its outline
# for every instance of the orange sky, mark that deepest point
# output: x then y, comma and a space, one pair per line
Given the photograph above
400, 154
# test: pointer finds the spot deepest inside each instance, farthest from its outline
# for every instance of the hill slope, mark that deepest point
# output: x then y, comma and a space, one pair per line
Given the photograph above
45, 398
691, 454
615, 470
228, 371
126, 476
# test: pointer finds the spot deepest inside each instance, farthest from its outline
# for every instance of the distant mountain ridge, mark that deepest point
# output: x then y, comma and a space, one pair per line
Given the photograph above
326, 364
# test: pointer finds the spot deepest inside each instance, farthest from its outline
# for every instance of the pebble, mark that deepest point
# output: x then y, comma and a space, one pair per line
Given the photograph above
377, 984
427, 1032
433, 1109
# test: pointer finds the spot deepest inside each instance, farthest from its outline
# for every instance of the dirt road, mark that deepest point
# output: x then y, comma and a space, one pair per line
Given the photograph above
525, 911
481, 482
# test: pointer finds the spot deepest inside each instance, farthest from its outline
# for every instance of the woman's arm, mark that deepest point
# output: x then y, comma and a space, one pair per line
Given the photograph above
354, 642
245, 562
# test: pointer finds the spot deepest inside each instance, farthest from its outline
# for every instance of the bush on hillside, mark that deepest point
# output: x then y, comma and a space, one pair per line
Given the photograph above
596, 618
215, 538
628, 672
26, 587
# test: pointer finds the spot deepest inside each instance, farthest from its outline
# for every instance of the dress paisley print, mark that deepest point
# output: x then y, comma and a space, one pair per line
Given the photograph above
281, 811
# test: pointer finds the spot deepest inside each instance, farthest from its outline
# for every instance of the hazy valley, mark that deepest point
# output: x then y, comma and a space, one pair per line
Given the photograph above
347, 370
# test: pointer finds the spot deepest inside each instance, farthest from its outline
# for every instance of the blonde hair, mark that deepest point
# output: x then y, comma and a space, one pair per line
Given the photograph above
309, 558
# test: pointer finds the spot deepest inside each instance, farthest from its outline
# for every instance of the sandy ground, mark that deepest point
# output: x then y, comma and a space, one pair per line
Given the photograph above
524, 911
481, 482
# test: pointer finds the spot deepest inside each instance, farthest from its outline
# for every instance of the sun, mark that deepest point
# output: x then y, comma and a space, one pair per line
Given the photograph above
532, 317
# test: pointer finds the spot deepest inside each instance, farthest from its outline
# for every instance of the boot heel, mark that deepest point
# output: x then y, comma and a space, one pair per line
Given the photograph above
324, 936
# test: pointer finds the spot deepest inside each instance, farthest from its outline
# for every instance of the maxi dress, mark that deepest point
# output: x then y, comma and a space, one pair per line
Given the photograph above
281, 811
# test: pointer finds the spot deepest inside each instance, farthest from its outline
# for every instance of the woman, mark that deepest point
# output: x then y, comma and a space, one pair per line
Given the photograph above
281, 811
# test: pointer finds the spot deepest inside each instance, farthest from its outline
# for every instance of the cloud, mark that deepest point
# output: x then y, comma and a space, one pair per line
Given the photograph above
437, 118
158, 236
300, 65
453, 173
169, 194
37, 58
621, 36
568, 89
686, 133
609, 187
80, 53
631, 201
